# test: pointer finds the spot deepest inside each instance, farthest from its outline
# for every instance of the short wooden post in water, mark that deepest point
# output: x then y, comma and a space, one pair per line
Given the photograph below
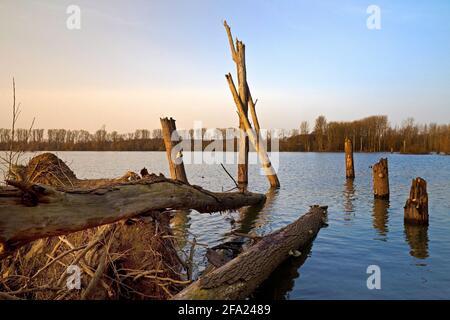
381, 179
416, 207
176, 166
349, 166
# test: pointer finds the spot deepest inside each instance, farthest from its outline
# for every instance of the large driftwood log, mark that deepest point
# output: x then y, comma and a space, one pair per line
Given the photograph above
238, 278
30, 212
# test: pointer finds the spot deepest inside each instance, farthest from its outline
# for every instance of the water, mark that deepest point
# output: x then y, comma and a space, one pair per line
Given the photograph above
362, 231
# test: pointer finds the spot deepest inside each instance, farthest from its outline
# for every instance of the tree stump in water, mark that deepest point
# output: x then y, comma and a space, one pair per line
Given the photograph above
349, 165
416, 207
381, 179
176, 166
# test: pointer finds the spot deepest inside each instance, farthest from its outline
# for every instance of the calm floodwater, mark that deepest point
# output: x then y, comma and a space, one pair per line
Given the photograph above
362, 231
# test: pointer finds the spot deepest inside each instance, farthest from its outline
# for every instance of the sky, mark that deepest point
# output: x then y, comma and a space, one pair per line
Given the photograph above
132, 62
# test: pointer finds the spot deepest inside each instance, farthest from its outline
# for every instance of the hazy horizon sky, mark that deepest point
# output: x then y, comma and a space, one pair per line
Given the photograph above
133, 62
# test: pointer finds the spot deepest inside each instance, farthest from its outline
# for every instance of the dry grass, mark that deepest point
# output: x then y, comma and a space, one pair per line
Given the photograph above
133, 259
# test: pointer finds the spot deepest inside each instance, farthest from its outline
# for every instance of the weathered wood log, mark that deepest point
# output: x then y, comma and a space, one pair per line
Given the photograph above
349, 165
269, 171
416, 207
238, 278
381, 179
176, 165
38, 211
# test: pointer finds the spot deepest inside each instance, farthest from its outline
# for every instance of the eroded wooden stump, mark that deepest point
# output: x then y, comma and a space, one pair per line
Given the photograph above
381, 179
349, 165
416, 207
170, 136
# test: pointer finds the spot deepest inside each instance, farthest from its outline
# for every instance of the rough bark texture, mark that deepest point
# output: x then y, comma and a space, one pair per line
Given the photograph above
238, 55
349, 165
416, 207
381, 179
238, 278
259, 146
38, 211
176, 166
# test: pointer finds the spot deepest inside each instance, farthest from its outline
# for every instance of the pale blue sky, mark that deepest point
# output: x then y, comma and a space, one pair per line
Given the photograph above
134, 61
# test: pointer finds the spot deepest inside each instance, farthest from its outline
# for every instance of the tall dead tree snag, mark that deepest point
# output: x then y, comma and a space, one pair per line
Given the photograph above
269, 171
238, 55
176, 166
244, 102
349, 164
381, 179
416, 207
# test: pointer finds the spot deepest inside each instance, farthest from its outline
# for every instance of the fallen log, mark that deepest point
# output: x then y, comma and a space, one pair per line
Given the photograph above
33, 211
238, 278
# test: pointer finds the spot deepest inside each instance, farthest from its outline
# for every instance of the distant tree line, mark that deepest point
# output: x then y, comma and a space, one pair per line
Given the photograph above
372, 134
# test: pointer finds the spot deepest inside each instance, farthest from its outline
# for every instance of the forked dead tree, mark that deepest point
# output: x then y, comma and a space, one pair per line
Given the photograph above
244, 101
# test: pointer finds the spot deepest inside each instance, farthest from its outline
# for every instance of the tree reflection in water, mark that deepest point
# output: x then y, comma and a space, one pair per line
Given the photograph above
282, 280
417, 238
349, 198
380, 216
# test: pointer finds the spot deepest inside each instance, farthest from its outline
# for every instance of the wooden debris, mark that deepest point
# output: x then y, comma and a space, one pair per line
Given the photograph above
238, 278
381, 179
416, 207
170, 135
349, 164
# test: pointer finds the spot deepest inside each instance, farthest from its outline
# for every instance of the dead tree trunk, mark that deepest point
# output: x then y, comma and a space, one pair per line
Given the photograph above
257, 143
38, 211
416, 207
238, 278
381, 179
176, 166
349, 165
238, 55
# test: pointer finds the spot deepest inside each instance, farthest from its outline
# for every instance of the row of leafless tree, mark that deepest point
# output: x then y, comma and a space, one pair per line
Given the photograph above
372, 134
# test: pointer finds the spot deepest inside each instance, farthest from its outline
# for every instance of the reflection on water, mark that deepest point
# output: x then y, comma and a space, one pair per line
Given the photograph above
349, 198
341, 252
380, 216
282, 280
417, 238
252, 218
180, 226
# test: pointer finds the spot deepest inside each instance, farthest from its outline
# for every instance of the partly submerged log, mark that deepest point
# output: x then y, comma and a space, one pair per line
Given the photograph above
416, 207
238, 278
30, 212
